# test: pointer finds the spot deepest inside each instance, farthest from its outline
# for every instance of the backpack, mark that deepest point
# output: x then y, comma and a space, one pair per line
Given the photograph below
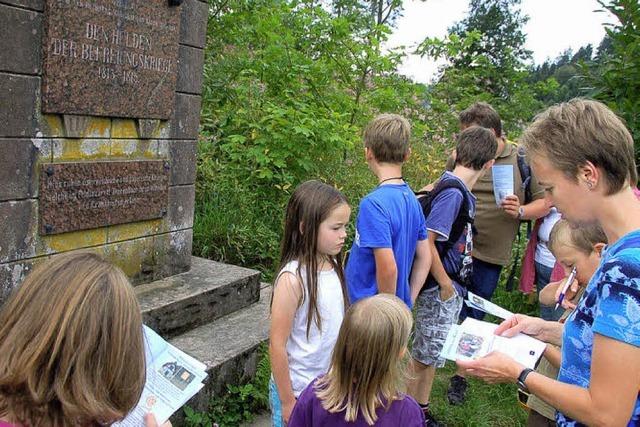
426, 198
525, 176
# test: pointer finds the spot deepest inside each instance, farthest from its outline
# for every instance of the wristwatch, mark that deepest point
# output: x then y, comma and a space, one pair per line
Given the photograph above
522, 378
520, 212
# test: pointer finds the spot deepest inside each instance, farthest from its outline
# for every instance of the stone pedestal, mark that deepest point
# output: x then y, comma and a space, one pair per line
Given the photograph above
60, 105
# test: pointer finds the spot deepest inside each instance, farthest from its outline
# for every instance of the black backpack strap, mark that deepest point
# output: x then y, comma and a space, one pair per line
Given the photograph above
525, 174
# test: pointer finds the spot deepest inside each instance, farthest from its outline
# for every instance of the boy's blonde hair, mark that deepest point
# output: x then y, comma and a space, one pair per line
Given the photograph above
581, 130
71, 345
366, 370
582, 238
387, 136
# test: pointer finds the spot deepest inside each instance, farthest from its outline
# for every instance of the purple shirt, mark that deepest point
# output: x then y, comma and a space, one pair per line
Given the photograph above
309, 412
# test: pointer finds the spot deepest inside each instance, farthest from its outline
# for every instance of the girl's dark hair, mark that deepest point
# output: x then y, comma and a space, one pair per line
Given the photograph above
309, 205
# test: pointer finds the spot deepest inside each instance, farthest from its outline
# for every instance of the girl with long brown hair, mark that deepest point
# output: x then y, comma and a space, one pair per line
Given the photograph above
309, 296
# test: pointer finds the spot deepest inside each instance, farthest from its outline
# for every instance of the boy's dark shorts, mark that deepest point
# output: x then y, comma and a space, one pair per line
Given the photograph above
433, 322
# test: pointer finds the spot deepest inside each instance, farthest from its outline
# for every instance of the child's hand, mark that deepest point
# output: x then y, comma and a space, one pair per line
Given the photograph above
511, 204
150, 421
548, 293
287, 409
447, 291
571, 293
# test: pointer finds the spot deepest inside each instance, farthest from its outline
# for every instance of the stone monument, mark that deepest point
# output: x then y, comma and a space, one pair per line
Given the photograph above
99, 115
99, 121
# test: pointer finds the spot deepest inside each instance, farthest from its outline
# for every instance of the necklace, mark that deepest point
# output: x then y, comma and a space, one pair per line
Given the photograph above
389, 179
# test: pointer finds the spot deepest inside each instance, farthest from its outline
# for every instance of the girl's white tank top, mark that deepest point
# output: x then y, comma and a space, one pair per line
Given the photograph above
309, 358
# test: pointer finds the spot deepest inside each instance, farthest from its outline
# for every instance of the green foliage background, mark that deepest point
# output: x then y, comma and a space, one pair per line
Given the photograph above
289, 84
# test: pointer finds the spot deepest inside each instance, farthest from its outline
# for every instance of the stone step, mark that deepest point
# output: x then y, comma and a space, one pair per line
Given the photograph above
207, 292
229, 347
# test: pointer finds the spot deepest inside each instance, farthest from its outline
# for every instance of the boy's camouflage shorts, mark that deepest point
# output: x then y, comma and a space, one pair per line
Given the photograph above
433, 321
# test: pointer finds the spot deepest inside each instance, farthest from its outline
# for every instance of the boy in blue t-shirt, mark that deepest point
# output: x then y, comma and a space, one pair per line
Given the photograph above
390, 229
439, 302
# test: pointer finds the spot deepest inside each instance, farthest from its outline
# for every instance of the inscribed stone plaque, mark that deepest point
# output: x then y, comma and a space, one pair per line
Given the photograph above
79, 196
113, 58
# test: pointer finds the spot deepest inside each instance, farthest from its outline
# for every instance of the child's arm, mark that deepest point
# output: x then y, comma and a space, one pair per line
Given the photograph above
447, 289
287, 296
386, 270
548, 293
420, 269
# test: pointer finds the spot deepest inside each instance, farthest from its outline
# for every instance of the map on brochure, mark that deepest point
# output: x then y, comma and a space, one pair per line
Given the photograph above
474, 339
503, 183
173, 377
479, 303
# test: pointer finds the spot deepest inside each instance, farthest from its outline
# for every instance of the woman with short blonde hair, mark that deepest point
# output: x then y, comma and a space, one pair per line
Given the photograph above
583, 156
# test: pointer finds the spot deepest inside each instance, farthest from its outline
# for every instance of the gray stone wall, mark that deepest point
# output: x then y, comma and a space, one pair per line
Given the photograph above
146, 250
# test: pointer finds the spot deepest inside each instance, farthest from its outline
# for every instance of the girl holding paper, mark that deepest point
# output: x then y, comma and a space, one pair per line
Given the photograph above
71, 346
582, 154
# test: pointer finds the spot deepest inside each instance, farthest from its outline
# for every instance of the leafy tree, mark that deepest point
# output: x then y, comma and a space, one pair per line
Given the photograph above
615, 77
485, 58
288, 87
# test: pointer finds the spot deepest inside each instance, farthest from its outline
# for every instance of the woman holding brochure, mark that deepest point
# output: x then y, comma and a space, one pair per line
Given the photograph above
581, 154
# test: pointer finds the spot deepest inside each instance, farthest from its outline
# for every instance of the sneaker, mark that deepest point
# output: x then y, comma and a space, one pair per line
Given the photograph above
430, 421
457, 390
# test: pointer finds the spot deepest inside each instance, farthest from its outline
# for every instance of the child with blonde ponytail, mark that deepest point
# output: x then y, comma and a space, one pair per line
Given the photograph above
365, 382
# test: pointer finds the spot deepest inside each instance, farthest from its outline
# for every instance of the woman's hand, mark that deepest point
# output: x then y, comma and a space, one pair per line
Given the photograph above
520, 323
546, 331
150, 421
495, 367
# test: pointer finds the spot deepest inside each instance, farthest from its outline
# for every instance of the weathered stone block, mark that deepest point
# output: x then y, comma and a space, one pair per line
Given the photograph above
30, 4
208, 291
135, 258
67, 150
21, 104
121, 232
20, 40
18, 230
181, 204
190, 62
147, 127
182, 156
99, 127
124, 128
134, 149
193, 23
18, 166
70, 241
52, 126
186, 117
12, 274
21, 240
172, 252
